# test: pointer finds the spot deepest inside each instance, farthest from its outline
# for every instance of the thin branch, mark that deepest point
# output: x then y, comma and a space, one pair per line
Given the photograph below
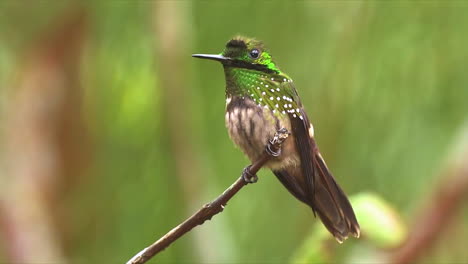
429, 225
441, 207
210, 209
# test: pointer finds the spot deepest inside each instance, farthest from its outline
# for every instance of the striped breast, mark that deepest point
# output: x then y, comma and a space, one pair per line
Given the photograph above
251, 126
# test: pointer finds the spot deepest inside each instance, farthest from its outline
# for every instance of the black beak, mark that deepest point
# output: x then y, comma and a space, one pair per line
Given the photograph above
215, 57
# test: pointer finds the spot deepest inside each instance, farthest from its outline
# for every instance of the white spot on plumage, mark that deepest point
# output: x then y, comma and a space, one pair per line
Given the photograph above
276, 105
301, 117
284, 80
272, 90
297, 110
283, 112
272, 98
263, 93
266, 85
278, 89
228, 100
290, 105
294, 115
272, 79
278, 98
261, 99
258, 88
285, 105
311, 131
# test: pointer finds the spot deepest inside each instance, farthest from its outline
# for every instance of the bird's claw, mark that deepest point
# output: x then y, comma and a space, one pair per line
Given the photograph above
248, 176
270, 149
273, 147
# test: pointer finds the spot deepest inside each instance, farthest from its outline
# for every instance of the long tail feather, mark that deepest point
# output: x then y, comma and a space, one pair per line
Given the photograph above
332, 205
328, 199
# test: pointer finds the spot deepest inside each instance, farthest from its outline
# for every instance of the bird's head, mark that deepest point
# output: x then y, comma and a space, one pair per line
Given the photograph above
242, 52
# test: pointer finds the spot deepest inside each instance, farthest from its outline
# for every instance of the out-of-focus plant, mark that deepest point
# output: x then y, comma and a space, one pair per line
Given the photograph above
381, 226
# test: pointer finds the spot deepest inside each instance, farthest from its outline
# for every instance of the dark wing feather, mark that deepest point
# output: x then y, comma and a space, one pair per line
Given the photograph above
289, 180
305, 146
342, 214
320, 191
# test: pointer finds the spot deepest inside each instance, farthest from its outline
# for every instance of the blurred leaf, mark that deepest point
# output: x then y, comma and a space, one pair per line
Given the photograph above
379, 221
313, 249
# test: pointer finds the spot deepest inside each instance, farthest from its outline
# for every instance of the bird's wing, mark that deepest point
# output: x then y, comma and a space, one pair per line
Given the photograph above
305, 145
321, 192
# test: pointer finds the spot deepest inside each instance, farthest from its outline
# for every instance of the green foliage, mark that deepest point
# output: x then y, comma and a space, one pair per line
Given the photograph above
380, 222
314, 248
381, 226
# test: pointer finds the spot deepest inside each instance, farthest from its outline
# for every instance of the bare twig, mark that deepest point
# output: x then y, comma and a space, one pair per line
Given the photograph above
442, 205
210, 209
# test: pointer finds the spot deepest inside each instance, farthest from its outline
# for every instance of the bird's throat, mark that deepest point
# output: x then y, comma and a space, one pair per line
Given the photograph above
243, 82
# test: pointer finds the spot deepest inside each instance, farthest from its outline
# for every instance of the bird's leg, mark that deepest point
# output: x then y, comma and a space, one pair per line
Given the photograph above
272, 149
248, 176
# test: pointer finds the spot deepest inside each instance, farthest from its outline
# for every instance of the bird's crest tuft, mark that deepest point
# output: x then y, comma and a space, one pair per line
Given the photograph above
244, 43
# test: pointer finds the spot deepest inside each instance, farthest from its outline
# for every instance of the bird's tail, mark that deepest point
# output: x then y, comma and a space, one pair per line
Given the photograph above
331, 203
327, 200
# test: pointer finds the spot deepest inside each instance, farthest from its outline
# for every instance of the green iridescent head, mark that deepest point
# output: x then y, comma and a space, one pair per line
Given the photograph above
251, 74
242, 52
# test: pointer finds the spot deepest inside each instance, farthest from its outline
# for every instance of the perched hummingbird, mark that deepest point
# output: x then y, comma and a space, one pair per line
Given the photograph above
261, 100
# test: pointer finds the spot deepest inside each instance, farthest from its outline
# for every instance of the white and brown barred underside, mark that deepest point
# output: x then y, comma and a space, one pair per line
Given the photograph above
251, 126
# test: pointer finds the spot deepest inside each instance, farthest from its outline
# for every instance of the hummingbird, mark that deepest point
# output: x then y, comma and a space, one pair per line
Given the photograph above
261, 100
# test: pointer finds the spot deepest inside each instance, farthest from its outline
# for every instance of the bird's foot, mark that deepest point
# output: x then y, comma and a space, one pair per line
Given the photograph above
273, 147
248, 176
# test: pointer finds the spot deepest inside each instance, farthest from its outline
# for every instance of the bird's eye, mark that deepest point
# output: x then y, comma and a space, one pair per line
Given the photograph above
254, 53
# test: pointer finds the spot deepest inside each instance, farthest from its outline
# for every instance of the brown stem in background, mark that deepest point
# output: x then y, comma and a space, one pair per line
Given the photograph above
172, 41
172, 31
43, 139
209, 209
442, 206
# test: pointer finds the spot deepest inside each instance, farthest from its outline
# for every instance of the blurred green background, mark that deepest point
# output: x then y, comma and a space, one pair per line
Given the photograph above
112, 134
